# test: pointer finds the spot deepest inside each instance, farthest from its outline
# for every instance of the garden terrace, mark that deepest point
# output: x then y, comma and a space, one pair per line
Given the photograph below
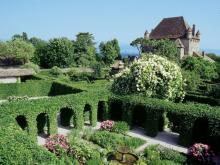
193, 122
36, 88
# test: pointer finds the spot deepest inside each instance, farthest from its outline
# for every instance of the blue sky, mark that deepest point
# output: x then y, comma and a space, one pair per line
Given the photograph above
106, 19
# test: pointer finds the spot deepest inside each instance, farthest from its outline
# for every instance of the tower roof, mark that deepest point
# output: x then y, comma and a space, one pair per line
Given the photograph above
172, 28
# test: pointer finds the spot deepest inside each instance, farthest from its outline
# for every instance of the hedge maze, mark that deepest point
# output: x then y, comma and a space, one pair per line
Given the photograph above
76, 108
193, 122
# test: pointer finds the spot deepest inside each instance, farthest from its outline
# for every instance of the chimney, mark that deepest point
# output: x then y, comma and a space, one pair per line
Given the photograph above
193, 29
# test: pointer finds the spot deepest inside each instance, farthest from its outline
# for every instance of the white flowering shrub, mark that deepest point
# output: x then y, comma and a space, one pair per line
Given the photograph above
153, 76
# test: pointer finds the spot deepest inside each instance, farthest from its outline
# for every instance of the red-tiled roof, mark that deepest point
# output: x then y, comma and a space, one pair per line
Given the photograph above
171, 28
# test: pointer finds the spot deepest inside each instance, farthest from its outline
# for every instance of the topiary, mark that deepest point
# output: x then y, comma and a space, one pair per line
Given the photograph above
152, 76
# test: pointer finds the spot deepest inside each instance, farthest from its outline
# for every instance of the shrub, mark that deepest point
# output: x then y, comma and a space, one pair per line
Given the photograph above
152, 76
169, 154
31, 65
120, 127
84, 150
157, 154
107, 125
75, 75
57, 144
56, 71
193, 80
17, 98
113, 140
201, 153
204, 68
18, 148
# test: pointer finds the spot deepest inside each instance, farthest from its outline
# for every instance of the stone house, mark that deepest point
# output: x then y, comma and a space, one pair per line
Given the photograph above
14, 75
117, 66
177, 29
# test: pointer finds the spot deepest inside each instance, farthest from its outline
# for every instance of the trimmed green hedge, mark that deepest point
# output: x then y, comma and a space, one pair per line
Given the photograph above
36, 88
17, 148
183, 117
202, 99
30, 109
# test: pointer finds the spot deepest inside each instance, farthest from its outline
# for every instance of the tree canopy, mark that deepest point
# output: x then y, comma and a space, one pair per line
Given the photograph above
85, 51
202, 67
110, 51
163, 47
16, 51
59, 52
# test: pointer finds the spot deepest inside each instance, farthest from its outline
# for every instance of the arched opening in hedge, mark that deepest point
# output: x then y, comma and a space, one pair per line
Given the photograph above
139, 116
65, 117
22, 122
200, 132
87, 114
42, 124
101, 111
116, 110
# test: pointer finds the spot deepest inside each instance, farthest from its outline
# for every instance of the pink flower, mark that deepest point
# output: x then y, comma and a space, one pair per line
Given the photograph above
107, 125
201, 152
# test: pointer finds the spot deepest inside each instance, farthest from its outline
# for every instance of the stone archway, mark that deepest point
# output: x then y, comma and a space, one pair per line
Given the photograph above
87, 114
22, 122
65, 117
42, 124
200, 131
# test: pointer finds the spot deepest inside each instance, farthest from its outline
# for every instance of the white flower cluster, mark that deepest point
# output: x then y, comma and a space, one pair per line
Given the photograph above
152, 75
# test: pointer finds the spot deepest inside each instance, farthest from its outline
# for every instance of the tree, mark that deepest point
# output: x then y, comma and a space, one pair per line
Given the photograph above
85, 51
152, 76
204, 68
40, 48
138, 44
23, 36
58, 52
109, 51
16, 51
163, 47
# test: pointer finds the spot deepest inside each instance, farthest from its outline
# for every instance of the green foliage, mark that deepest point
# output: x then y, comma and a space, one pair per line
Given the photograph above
75, 75
23, 37
56, 71
159, 154
164, 48
109, 51
59, 52
193, 80
40, 47
152, 76
31, 65
36, 88
16, 52
204, 68
202, 99
181, 116
17, 148
85, 51
120, 127
84, 149
112, 140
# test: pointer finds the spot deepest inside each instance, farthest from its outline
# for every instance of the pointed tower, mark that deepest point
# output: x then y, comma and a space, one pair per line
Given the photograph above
146, 35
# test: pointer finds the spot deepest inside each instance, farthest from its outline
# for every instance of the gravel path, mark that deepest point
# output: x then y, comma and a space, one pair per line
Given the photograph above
165, 139
64, 131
